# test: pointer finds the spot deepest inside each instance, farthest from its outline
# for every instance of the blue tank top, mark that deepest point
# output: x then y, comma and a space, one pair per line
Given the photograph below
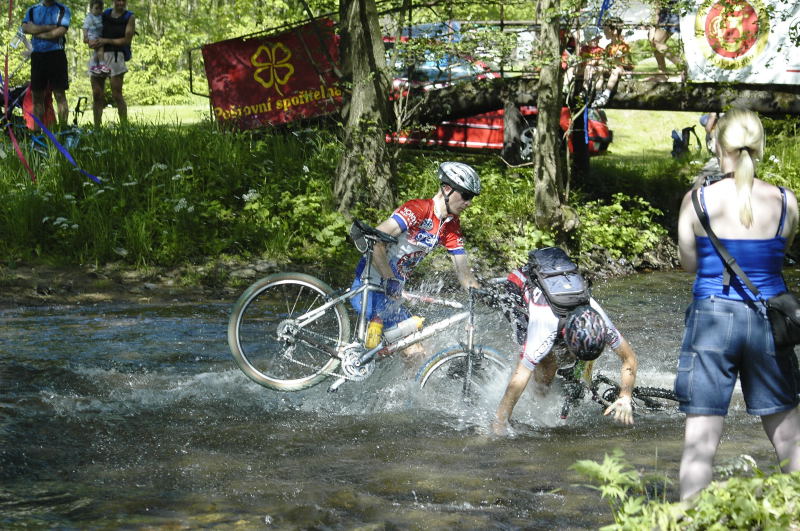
761, 260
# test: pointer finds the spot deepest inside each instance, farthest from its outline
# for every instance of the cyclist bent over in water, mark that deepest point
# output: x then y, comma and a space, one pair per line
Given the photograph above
585, 334
420, 225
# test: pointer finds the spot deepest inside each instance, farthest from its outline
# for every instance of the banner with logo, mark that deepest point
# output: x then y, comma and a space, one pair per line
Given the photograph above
746, 41
273, 80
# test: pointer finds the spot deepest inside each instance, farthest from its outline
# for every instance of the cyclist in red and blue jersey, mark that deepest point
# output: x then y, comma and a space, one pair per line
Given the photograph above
420, 226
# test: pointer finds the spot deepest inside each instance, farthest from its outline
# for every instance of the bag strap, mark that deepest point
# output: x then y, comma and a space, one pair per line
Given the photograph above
731, 266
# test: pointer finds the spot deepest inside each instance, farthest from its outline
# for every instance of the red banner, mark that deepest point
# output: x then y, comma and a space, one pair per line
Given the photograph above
272, 80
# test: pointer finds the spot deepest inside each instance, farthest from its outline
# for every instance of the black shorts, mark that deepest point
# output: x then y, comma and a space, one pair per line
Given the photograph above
49, 69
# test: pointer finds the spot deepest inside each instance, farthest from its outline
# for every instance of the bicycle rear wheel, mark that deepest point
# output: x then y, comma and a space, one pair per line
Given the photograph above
273, 357
446, 373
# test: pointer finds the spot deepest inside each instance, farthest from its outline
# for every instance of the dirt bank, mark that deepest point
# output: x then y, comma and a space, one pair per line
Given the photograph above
44, 285
223, 280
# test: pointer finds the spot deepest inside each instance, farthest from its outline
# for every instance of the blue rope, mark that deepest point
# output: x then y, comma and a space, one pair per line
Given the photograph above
62, 149
603, 8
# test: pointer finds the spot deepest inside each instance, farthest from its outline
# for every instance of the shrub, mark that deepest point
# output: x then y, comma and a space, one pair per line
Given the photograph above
755, 502
625, 227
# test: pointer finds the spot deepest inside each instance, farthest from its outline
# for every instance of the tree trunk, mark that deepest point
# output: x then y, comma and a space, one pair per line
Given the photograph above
477, 96
580, 150
512, 129
548, 163
363, 171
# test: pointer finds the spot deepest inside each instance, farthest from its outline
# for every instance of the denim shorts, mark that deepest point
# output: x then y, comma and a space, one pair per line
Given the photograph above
725, 339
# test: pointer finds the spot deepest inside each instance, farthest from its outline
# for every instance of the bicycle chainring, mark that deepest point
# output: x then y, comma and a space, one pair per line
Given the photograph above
351, 368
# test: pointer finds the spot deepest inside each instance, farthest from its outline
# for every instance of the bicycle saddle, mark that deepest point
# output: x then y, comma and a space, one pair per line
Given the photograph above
360, 231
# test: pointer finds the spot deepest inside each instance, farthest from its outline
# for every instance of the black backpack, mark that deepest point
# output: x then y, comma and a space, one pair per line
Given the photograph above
552, 271
559, 279
681, 141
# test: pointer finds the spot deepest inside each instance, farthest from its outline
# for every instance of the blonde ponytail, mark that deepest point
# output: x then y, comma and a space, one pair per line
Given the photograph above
741, 130
743, 176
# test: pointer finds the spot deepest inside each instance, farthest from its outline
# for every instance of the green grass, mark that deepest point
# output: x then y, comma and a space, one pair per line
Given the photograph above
152, 114
644, 134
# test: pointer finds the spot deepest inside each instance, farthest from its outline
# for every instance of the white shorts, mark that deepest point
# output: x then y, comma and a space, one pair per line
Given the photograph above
115, 61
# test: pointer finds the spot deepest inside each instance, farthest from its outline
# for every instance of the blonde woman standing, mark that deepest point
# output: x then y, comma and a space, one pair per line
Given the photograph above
727, 335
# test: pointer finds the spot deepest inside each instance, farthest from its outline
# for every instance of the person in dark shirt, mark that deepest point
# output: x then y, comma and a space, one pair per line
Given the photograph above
119, 26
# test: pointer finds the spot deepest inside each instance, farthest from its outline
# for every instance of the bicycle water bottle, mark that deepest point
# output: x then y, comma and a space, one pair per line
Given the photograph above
374, 331
402, 329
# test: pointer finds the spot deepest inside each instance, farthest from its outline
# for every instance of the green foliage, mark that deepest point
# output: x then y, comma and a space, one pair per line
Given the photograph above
500, 221
620, 484
625, 227
755, 502
172, 195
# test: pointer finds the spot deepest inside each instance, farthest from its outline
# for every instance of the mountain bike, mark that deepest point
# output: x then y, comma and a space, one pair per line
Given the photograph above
39, 142
291, 331
578, 379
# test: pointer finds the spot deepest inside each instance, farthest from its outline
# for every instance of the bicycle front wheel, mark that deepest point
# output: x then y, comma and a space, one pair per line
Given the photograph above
263, 349
654, 399
449, 375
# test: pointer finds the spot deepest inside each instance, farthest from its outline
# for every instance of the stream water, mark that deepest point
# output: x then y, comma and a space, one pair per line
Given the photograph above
135, 416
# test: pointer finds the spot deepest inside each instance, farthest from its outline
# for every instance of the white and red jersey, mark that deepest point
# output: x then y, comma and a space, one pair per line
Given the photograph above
422, 232
542, 323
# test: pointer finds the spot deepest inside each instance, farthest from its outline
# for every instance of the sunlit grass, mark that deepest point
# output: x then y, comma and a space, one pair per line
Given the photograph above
151, 114
647, 133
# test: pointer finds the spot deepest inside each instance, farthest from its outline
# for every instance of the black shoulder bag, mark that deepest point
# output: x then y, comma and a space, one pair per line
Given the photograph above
783, 310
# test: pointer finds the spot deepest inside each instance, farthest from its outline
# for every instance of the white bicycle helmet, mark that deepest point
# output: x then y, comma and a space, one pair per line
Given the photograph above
460, 176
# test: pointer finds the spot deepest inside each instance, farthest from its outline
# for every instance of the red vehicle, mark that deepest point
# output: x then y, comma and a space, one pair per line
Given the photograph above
485, 131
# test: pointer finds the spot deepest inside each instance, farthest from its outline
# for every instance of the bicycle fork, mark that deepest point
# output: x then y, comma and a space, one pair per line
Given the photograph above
465, 390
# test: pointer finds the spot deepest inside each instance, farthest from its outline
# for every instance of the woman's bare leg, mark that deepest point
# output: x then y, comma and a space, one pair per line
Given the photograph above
701, 438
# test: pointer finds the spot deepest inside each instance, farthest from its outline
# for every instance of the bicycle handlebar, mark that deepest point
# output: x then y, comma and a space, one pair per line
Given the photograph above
371, 232
491, 293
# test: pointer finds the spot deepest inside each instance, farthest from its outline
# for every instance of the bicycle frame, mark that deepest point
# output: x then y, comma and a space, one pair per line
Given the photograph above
575, 382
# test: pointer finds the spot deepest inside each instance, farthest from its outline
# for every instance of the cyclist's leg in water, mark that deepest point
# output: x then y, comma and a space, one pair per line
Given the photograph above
413, 356
700, 442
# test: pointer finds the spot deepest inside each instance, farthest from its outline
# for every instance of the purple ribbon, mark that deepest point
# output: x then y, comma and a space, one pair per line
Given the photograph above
62, 149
